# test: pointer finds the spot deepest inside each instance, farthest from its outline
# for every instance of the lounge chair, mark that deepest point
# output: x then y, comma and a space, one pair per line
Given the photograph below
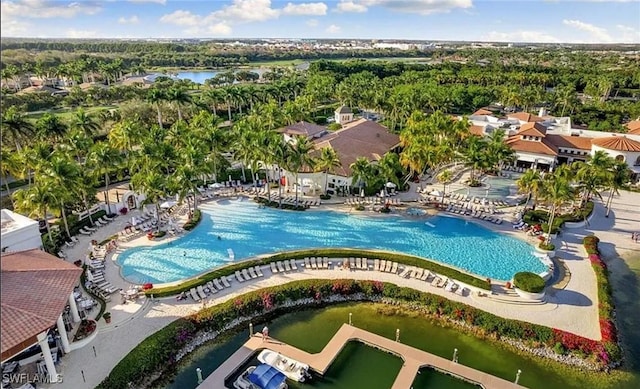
287, 267
376, 264
358, 263
394, 267
69, 244
307, 264
217, 284
194, 294
442, 282
352, 263
425, 275
75, 239
273, 267
211, 287
435, 281
417, 273
313, 263
292, 262
258, 271
225, 282
406, 271
280, 267
239, 276
252, 272
245, 274
201, 292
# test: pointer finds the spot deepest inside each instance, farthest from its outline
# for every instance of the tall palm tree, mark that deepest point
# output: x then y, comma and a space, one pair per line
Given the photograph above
156, 96
593, 175
103, 160
9, 166
84, 122
300, 157
618, 179
327, 162
50, 126
556, 191
179, 97
361, 172
16, 127
152, 184
531, 184
445, 178
34, 201
475, 156
389, 168
63, 175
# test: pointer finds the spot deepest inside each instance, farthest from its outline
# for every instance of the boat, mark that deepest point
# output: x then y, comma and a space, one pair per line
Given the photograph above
294, 370
261, 377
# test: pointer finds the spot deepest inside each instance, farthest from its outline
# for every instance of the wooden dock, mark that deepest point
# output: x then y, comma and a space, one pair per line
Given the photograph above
413, 358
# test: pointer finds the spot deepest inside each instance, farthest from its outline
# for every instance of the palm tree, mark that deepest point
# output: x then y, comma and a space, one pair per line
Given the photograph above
34, 201
389, 168
152, 184
84, 122
618, 179
327, 162
63, 176
9, 166
361, 172
156, 96
16, 126
593, 175
475, 156
531, 184
445, 178
179, 97
556, 191
300, 157
50, 126
103, 159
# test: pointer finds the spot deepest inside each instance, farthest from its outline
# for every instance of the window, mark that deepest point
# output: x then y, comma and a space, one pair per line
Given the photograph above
620, 157
637, 162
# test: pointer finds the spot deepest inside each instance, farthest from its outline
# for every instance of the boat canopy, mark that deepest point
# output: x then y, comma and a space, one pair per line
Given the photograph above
267, 377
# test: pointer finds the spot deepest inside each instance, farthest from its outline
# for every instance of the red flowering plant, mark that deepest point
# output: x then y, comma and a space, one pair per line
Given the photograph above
267, 300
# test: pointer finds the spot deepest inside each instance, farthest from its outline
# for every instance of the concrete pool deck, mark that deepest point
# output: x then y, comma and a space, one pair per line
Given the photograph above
573, 308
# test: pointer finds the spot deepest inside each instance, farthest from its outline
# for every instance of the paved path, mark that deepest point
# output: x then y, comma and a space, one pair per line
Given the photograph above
414, 359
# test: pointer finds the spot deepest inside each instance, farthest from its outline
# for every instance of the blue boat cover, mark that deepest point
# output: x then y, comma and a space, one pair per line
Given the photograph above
267, 377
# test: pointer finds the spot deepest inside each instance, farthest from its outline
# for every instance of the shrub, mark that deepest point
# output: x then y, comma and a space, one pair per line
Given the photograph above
159, 234
325, 197
529, 282
193, 222
547, 246
359, 207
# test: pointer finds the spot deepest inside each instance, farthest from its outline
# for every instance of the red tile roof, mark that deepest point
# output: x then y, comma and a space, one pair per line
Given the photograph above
362, 138
482, 111
303, 128
572, 142
619, 143
35, 289
634, 127
525, 117
532, 129
477, 130
528, 146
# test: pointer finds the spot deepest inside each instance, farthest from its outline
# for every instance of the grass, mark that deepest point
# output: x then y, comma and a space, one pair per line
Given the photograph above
67, 112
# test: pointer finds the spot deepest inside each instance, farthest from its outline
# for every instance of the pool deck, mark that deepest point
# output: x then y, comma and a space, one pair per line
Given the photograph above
573, 308
414, 359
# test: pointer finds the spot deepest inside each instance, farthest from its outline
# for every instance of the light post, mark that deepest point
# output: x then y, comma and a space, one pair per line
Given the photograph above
250, 330
199, 374
350, 318
455, 355
518, 376
397, 334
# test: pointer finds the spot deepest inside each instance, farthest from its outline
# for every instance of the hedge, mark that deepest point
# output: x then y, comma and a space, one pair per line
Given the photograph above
276, 204
328, 252
529, 282
193, 222
542, 217
157, 354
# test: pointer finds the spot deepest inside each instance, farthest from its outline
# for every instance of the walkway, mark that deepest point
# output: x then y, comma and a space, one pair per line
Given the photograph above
414, 359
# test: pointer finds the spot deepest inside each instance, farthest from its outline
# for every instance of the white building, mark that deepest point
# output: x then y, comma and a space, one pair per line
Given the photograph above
19, 233
343, 115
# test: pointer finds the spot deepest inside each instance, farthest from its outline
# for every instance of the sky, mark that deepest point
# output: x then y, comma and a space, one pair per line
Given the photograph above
549, 21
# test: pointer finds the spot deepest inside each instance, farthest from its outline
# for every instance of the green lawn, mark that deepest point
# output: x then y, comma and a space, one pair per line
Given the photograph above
67, 112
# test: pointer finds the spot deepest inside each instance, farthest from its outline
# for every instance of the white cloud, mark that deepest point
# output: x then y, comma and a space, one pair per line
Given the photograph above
131, 20
182, 18
625, 28
245, 10
599, 33
221, 28
350, 6
163, 2
521, 36
312, 23
43, 9
333, 29
14, 27
422, 7
628, 34
81, 34
305, 9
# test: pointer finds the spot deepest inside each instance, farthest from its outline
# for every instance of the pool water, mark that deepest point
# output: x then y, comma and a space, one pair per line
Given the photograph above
241, 226
493, 188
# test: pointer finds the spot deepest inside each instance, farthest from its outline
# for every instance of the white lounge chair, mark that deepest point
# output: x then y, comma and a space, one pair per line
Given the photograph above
239, 276
274, 269
287, 267
314, 266
280, 267
201, 292
293, 264
217, 284
194, 294
245, 274
225, 282
376, 264
259, 271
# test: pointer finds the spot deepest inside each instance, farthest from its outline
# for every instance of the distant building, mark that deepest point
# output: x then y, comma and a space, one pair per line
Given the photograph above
306, 129
19, 233
343, 115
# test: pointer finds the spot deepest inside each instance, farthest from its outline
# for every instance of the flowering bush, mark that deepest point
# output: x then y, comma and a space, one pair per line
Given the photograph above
123, 211
267, 300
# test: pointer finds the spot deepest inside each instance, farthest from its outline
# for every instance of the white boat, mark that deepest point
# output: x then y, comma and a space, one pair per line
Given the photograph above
261, 377
291, 368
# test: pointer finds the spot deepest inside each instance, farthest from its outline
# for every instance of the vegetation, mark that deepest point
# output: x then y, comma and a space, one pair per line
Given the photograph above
193, 220
158, 352
529, 282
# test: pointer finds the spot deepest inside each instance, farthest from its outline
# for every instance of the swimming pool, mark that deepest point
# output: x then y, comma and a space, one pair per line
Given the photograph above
249, 230
493, 188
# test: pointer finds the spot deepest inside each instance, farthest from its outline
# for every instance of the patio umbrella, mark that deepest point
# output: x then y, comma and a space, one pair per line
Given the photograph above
390, 185
216, 185
167, 204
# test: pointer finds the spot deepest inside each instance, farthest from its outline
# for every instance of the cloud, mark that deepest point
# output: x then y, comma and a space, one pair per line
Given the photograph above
81, 34
221, 28
350, 6
312, 23
163, 2
245, 11
14, 27
131, 20
422, 7
305, 9
598, 33
181, 18
625, 28
44, 9
628, 34
521, 36
333, 29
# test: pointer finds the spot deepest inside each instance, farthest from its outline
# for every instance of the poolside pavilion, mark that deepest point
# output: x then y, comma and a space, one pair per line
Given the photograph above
36, 290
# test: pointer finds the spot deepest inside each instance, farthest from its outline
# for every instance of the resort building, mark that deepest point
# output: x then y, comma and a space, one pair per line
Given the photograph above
360, 138
18, 233
343, 115
543, 141
38, 311
306, 129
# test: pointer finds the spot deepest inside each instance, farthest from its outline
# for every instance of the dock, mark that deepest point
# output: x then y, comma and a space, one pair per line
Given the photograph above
414, 359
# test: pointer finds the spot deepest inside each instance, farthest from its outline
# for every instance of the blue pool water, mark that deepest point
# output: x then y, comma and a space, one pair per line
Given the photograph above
493, 188
249, 230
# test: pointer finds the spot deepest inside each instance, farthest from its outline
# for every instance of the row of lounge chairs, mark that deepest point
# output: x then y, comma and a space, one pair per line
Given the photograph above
283, 266
473, 213
201, 292
316, 263
291, 200
515, 169
372, 200
103, 221
247, 274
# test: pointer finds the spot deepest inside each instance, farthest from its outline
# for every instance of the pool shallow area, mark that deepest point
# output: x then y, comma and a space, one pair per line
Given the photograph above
241, 226
493, 188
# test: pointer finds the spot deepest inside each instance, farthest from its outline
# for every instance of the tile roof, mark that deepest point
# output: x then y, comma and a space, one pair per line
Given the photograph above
362, 138
476, 130
533, 129
35, 290
527, 146
481, 112
525, 117
634, 127
572, 142
303, 128
619, 143
344, 109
